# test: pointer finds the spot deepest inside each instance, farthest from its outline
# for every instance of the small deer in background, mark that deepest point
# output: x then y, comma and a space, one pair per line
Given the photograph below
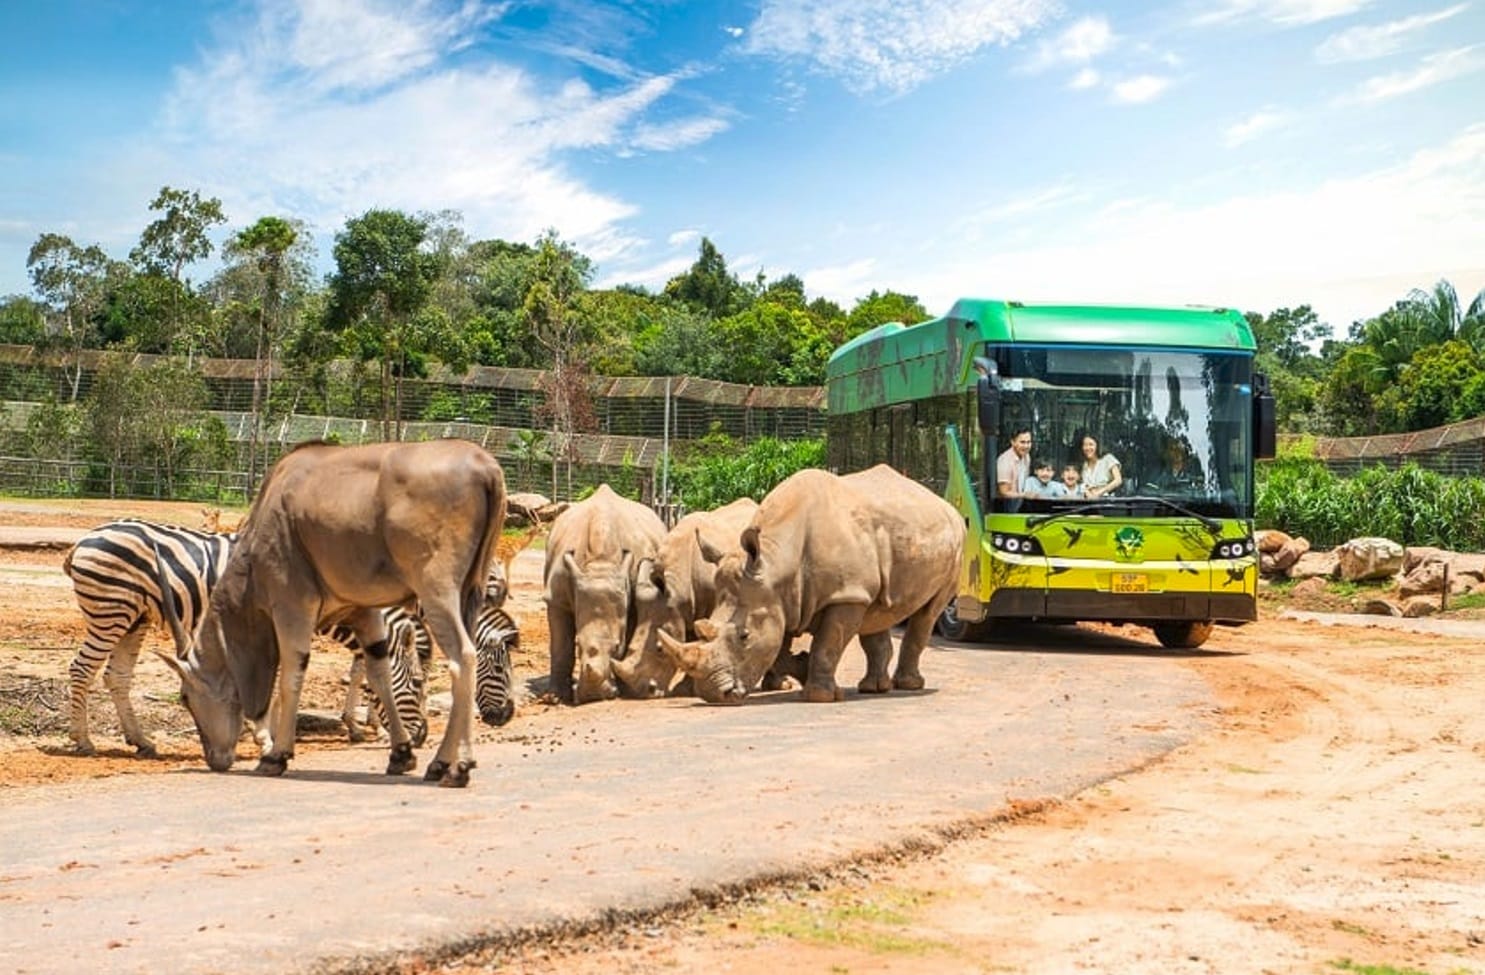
219, 521
511, 544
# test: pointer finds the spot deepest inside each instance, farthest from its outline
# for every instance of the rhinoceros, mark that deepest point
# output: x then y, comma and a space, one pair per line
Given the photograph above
835, 557
675, 589
593, 553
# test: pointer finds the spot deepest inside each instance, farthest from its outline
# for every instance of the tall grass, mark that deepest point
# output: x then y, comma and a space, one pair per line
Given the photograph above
725, 471
1409, 505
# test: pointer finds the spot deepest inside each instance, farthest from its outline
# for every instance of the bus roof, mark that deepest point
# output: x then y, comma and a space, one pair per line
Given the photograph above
934, 356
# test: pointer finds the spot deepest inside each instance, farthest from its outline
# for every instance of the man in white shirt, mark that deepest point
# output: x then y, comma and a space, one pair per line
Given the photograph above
1013, 466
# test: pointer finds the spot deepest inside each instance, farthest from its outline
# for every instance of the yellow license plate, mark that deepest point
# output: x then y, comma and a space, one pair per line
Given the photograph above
1129, 582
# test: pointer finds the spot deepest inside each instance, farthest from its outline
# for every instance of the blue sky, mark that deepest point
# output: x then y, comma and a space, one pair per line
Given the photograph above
1250, 153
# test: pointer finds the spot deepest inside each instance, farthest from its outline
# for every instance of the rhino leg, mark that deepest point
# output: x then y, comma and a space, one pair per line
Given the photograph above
561, 652
836, 627
786, 665
914, 638
878, 647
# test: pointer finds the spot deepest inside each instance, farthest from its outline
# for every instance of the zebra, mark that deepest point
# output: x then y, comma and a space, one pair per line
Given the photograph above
412, 652
495, 637
115, 582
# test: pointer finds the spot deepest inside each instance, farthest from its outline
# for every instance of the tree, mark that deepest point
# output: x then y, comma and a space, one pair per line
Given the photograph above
773, 345
1286, 340
177, 238
1439, 316
382, 280
71, 281
549, 314
707, 285
265, 245
22, 321
1431, 385
880, 308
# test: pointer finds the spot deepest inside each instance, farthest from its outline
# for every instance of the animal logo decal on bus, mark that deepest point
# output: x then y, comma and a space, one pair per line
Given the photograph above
1127, 542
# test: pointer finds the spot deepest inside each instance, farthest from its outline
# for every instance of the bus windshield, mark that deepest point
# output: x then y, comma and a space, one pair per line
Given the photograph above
1172, 425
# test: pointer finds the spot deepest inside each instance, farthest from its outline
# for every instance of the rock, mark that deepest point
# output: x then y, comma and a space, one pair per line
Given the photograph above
1420, 606
1314, 565
1312, 588
1374, 606
1426, 577
525, 506
1270, 539
1468, 564
549, 511
1369, 558
1416, 555
1290, 553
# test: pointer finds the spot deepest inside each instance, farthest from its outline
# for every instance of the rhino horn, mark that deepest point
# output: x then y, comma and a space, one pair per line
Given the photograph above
706, 629
686, 656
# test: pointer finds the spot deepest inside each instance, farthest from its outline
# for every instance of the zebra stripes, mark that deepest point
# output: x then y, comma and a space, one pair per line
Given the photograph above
495, 636
412, 653
117, 588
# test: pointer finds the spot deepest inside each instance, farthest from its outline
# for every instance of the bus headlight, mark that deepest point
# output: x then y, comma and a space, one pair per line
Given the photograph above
1015, 544
1233, 548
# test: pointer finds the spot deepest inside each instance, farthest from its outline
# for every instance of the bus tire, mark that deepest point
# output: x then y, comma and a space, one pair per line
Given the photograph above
1185, 635
951, 627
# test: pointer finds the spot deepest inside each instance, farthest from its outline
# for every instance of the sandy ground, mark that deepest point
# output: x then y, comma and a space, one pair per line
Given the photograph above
1333, 820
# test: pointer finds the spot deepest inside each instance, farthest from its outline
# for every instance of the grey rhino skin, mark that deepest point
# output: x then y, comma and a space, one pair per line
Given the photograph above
835, 557
594, 550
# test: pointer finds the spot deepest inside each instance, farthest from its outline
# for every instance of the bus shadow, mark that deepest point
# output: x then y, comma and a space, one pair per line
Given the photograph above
1075, 640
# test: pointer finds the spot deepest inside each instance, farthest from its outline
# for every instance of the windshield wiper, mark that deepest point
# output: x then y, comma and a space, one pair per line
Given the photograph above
1212, 525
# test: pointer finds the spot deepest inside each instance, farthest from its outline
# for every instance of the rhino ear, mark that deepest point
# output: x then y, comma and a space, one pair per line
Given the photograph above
709, 552
570, 562
749, 542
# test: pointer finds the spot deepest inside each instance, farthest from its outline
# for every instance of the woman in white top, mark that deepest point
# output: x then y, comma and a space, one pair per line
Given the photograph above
1100, 471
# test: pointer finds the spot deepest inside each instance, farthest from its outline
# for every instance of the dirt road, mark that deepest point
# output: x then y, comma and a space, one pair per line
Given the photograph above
1322, 809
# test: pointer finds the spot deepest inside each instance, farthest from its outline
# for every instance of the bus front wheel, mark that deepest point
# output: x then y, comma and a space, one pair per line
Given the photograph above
952, 627
1186, 635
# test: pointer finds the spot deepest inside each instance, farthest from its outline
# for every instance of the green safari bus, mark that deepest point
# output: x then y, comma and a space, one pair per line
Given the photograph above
1169, 395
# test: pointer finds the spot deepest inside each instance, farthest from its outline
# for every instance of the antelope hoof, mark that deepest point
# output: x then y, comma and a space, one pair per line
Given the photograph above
437, 769
272, 765
456, 777
85, 748
401, 759
354, 733
146, 750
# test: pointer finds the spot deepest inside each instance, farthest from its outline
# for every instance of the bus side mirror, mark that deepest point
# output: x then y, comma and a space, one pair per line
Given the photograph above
1265, 419
987, 395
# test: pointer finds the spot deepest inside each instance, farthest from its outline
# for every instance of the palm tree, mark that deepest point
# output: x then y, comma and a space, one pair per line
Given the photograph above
1438, 316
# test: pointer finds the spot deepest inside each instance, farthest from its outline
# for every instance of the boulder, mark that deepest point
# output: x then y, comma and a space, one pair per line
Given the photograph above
1312, 588
1468, 564
1313, 565
1426, 577
1269, 540
524, 507
1369, 558
1416, 555
1375, 606
1420, 606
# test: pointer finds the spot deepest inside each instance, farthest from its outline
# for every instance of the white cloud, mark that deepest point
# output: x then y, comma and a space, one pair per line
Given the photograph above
843, 284
683, 238
1087, 78
295, 123
1084, 40
676, 135
1285, 13
890, 44
1435, 69
651, 276
1368, 42
1350, 247
1140, 89
1250, 128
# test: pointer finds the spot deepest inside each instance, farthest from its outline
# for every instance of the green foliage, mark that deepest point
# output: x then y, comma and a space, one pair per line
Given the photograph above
721, 473
22, 321
1409, 505
707, 286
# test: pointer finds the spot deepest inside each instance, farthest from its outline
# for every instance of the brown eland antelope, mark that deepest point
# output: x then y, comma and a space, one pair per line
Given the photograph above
335, 534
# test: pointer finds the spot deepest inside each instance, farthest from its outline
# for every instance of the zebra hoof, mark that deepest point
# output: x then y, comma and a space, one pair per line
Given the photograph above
457, 777
272, 765
85, 748
146, 750
436, 771
496, 717
401, 760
